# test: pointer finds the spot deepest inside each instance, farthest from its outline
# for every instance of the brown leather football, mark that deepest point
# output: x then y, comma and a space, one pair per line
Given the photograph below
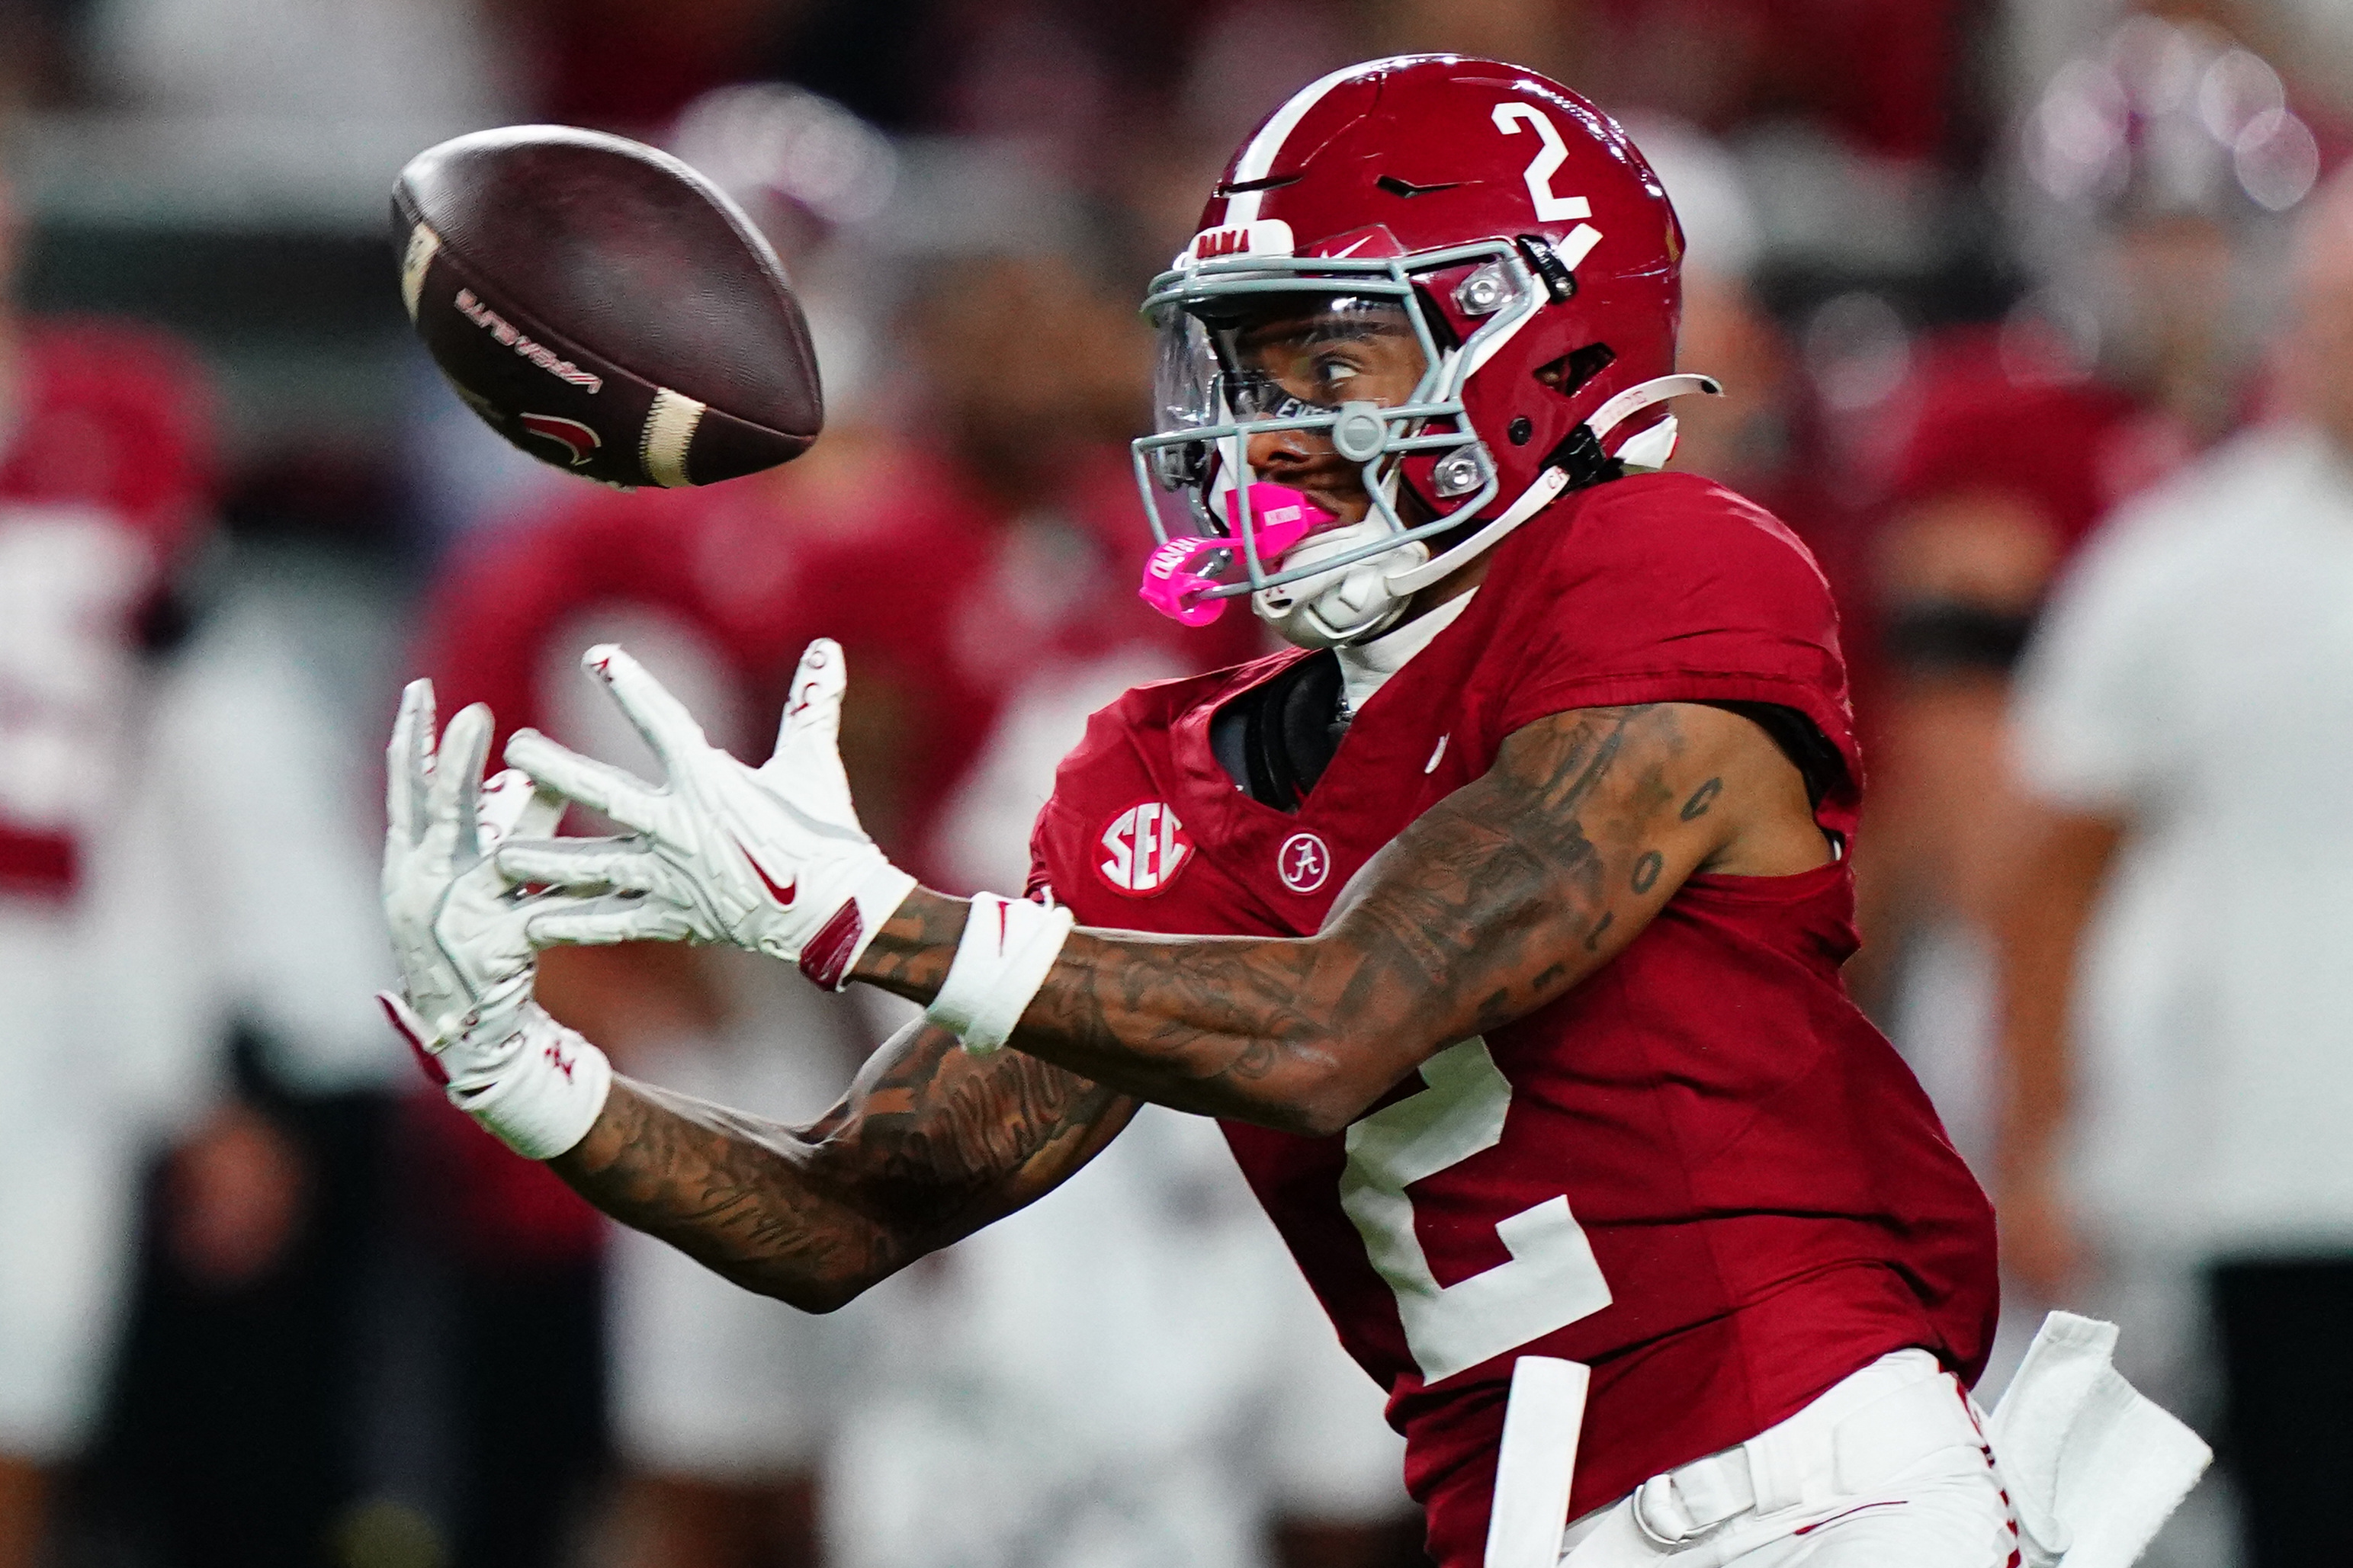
604, 307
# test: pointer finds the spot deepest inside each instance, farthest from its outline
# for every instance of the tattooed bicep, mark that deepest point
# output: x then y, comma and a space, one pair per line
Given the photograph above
1661, 790
1527, 878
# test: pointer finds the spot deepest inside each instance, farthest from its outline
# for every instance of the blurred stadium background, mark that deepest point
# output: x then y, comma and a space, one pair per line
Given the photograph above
1975, 273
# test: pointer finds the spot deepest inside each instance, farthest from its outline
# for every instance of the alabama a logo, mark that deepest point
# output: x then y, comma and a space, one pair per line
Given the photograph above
1143, 846
1302, 862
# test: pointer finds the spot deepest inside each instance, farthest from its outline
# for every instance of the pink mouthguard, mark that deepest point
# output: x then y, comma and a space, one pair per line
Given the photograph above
1173, 585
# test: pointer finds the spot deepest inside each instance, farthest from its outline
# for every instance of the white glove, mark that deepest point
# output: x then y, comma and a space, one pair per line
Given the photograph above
460, 936
770, 859
465, 958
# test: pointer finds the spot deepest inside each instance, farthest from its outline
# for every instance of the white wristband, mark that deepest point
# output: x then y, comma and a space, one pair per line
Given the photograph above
1008, 947
538, 1092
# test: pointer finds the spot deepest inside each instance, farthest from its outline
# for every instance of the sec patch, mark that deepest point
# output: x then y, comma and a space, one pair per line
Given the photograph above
1145, 846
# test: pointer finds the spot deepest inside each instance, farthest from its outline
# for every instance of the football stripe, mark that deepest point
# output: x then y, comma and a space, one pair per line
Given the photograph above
1257, 158
423, 245
670, 430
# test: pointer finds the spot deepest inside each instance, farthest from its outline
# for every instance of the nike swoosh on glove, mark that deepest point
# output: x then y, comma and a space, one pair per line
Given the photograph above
772, 859
457, 929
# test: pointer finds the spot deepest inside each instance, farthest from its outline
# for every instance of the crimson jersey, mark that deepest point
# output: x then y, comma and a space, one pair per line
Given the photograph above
105, 455
1701, 1172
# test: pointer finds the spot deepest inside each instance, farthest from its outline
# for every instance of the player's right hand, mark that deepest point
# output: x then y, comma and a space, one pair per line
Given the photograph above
771, 859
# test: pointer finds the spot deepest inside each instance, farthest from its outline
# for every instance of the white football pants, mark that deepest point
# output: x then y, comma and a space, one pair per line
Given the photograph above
1888, 1469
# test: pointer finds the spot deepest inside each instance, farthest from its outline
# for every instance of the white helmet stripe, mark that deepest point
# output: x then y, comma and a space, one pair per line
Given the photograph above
1259, 157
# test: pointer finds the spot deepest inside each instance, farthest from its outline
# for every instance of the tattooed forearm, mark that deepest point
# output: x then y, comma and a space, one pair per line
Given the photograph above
929, 1145
1493, 902
916, 945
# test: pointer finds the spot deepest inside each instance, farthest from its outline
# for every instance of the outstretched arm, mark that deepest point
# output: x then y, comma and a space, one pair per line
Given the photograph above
928, 1145
1493, 903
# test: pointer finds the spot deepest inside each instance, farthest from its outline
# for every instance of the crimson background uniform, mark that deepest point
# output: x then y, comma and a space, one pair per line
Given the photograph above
107, 455
1759, 1199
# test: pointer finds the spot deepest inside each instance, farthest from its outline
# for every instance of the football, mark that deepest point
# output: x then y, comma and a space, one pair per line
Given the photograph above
604, 307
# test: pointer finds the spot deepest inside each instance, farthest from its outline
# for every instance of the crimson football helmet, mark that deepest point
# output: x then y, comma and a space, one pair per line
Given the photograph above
1504, 221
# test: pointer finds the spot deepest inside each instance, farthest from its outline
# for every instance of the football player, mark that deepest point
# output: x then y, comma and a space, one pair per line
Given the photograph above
106, 487
1499, 920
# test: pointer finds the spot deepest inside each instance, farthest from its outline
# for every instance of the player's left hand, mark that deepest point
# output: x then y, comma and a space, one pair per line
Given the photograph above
771, 859
461, 934
465, 959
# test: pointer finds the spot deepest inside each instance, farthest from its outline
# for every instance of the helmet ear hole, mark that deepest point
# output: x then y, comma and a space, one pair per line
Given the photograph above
1574, 369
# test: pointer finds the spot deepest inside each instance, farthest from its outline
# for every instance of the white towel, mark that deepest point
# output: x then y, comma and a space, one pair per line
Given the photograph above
2092, 1466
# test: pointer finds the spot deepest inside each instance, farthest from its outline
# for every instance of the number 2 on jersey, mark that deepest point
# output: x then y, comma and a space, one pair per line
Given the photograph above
1552, 1280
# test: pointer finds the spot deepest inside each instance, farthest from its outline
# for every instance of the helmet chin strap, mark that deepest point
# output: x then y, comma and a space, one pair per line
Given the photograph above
1532, 500
1359, 602
1642, 394
1413, 579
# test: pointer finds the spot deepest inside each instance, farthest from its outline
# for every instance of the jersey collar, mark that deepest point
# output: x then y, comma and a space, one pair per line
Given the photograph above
1366, 667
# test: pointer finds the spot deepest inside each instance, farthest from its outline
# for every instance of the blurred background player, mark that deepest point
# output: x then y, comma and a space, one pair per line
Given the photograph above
2178, 1014
2149, 180
239, 1107
105, 489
